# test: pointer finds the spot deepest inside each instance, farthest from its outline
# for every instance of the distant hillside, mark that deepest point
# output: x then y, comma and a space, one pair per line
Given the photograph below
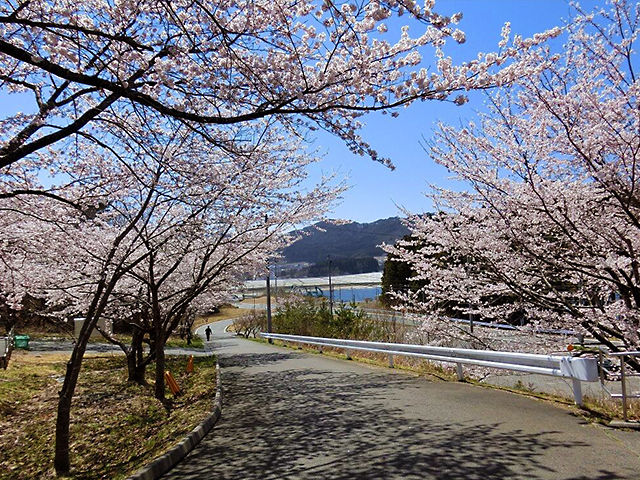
352, 240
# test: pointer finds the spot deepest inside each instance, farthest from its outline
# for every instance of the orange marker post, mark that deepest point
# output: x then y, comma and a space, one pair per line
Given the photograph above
190, 365
173, 385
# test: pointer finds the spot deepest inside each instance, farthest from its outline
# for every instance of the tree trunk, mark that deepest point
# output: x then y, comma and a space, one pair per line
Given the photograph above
135, 366
160, 364
61, 460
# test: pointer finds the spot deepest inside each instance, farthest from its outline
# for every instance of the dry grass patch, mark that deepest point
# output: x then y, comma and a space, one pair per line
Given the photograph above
226, 312
117, 427
604, 410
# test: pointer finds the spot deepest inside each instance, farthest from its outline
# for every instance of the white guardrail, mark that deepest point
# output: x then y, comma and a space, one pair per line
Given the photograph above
577, 369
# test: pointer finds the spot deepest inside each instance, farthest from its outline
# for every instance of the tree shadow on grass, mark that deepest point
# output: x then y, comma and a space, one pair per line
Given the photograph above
309, 424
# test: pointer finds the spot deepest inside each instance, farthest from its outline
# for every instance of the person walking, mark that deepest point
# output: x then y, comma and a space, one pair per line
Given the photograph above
207, 332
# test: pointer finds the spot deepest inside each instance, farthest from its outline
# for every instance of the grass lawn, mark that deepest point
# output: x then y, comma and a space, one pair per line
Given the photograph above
176, 342
117, 427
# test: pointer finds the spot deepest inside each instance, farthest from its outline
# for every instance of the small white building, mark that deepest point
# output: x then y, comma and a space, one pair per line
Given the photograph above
106, 325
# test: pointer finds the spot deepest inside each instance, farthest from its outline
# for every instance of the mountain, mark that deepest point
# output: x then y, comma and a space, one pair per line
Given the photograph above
351, 240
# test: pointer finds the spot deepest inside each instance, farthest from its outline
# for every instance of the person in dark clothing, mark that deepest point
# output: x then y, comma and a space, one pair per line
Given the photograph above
207, 332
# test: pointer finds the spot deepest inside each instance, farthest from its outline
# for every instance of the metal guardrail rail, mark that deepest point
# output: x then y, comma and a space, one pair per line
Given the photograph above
577, 369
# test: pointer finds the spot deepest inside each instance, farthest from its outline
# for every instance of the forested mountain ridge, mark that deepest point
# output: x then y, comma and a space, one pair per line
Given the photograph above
350, 240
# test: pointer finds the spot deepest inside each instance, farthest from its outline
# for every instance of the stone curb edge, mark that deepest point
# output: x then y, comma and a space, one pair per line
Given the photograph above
166, 462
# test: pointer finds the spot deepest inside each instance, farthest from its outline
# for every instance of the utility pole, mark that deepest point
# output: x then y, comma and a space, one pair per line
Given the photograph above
330, 288
269, 301
266, 226
466, 269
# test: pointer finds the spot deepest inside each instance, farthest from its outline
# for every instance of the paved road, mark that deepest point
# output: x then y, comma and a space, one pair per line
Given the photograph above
289, 415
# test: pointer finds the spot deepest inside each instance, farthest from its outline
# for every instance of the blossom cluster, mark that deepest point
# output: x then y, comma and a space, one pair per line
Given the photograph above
309, 64
548, 232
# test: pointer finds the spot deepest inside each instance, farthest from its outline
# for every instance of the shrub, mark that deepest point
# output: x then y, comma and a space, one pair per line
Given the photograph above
251, 324
311, 316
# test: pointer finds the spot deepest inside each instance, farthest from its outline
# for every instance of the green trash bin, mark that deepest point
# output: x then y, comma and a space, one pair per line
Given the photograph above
21, 341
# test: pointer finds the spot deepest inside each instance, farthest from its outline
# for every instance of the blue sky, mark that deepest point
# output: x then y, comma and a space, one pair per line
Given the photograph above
376, 191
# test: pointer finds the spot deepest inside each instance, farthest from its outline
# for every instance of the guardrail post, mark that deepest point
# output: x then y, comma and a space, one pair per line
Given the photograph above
624, 388
348, 353
577, 391
601, 366
459, 372
390, 361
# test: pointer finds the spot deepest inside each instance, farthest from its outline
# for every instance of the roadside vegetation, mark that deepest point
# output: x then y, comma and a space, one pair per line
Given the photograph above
306, 315
120, 425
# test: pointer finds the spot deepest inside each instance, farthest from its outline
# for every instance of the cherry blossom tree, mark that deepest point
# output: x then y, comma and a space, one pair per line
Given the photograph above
550, 226
308, 64
147, 206
109, 84
214, 230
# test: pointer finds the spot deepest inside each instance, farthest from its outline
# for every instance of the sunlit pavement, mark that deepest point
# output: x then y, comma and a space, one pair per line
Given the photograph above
293, 415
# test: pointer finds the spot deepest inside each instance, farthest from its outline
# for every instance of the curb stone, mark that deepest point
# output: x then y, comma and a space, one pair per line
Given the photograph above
166, 462
622, 424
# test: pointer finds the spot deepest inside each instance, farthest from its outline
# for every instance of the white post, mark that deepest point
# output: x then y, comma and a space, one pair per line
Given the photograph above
348, 353
269, 301
459, 372
390, 361
577, 391
624, 388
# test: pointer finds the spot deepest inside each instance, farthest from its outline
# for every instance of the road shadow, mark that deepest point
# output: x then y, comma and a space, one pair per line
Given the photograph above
252, 360
310, 424
217, 345
66, 346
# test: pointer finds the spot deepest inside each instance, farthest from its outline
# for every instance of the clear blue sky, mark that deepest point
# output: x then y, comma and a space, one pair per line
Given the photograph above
376, 191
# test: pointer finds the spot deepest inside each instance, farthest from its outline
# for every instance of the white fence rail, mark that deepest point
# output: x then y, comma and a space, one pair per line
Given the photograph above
577, 369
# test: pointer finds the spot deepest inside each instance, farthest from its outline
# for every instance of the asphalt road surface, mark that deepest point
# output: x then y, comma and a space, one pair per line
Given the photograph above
289, 415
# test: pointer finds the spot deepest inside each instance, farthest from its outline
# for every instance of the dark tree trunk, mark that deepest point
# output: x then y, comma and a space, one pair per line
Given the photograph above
98, 304
61, 461
160, 363
135, 366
